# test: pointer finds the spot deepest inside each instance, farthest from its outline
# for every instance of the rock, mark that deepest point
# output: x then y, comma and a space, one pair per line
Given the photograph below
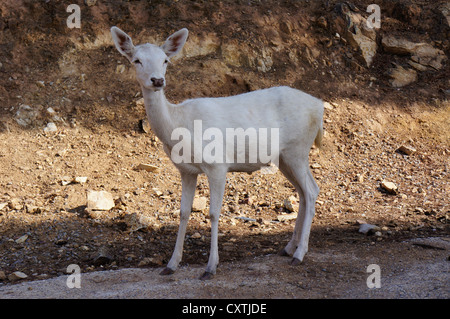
389, 187
286, 217
140, 102
2, 275
401, 76
21, 239
199, 203
316, 166
144, 125
421, 52
40, 84
350, 23
102, 257
99, 200
445, 10
157, 192
32, 209
25, 115
197, 235
396, 45
17, 275
288, 205
368, 229
90, 3
137, 222
3, 205
408, 150
80, 179
120, 68
15, 204
50, 128
147, 167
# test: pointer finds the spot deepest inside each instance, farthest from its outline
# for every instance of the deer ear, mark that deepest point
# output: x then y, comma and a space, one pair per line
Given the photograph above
123, 42
175, 42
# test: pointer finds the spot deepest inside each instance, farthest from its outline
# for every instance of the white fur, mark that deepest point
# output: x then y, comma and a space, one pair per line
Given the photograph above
297, 115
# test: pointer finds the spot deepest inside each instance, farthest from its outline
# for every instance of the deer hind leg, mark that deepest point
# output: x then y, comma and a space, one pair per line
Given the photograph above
188, 184
300, 176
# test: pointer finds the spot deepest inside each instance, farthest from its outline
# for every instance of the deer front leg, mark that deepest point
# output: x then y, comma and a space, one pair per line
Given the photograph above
217, 189
188, 184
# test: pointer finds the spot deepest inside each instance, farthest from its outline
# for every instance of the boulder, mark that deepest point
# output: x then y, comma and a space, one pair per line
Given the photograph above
352, 26
401, 76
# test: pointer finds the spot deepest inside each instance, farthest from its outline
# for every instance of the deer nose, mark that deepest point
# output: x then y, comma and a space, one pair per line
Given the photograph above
157, 82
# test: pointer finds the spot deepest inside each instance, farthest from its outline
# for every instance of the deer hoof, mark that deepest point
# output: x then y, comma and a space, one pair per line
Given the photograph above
206, 276
295, 262
167, 271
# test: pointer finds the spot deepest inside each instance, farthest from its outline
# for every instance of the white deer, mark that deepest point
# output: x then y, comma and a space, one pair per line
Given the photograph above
297, 115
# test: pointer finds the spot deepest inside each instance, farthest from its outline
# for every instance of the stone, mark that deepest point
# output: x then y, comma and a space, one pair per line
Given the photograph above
50, 128
144, 125
140, 102
286, 217
288, 205
17, 275
196, 235
25, 115
157, 192
389, 187
147, 167
102, 257
120, 68
199, 203
351, 24
368, 229
15, 204
401, 76
21, 239
99, 200
408, 150
80, 179
90, 3
137, 222
421, 52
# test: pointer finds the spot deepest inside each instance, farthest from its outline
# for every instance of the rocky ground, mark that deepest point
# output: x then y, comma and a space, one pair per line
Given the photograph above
71, 123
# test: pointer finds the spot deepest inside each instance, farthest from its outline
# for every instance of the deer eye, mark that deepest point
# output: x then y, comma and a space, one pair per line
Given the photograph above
137, 62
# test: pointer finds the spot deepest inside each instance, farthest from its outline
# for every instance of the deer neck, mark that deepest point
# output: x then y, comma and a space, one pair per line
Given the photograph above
159, 112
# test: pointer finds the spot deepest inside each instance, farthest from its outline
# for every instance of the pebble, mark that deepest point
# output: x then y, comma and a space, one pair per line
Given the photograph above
147, 167
389, 187
99, 200
408, 150
199, 203
22, 239
17, 275
368, 229
50, 128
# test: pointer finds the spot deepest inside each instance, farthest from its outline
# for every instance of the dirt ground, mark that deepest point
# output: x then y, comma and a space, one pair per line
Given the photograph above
233, 47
